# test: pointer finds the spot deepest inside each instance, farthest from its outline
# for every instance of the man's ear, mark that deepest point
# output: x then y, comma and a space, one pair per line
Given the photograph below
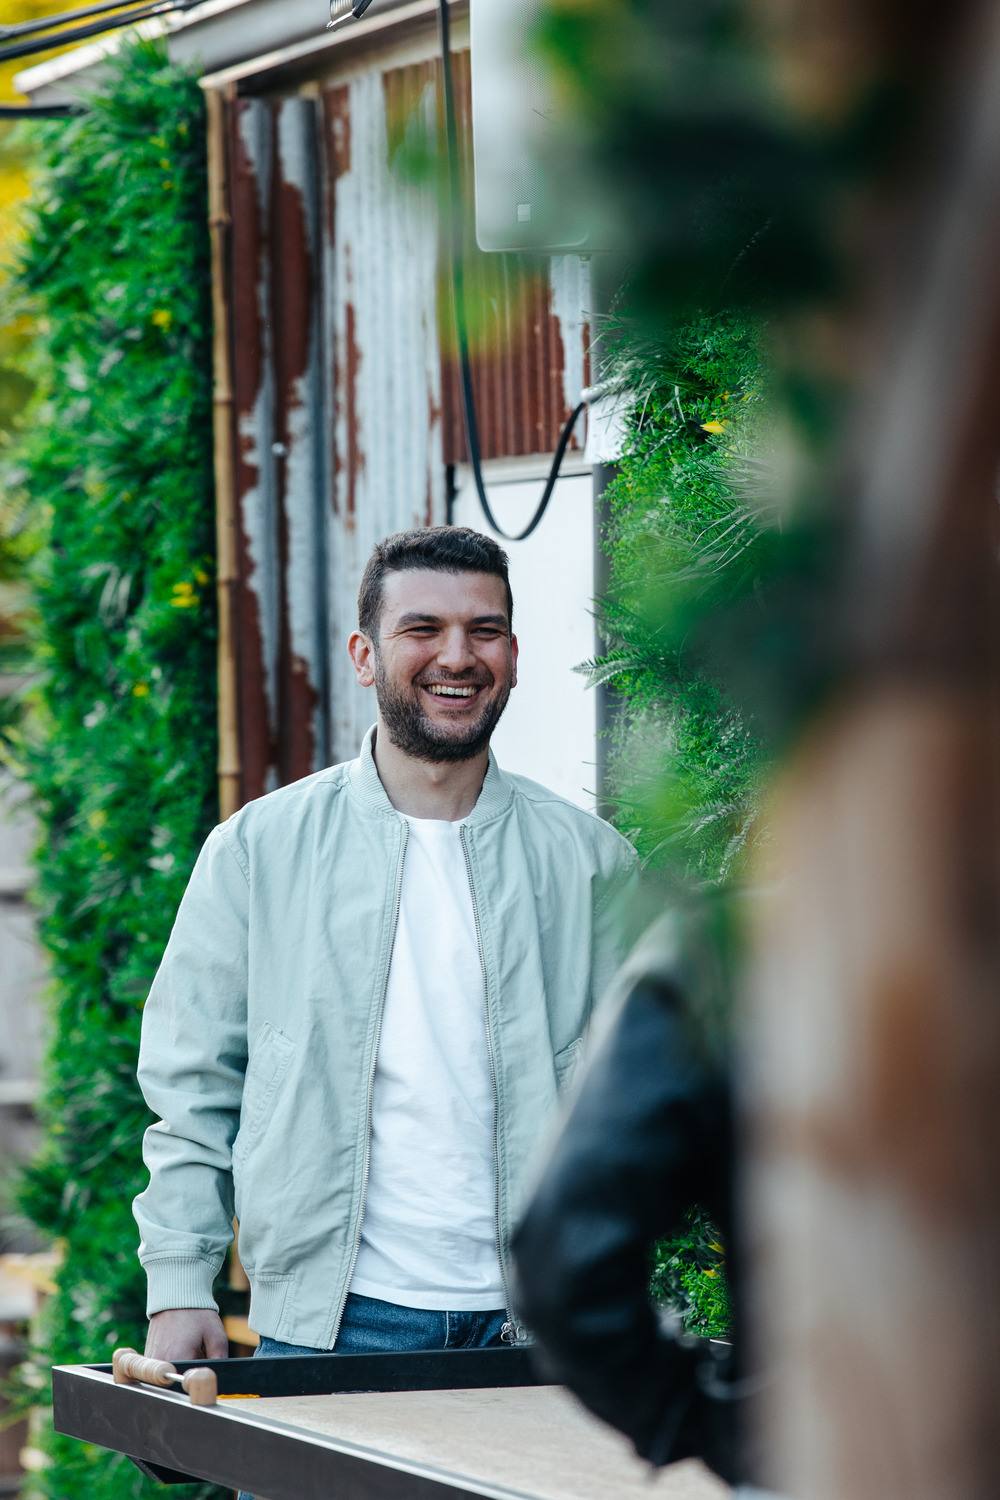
513, 661
362, 653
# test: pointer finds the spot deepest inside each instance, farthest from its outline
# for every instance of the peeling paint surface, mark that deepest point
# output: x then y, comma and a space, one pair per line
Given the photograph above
382, 329
569, 278
297, 314
277, 379
251, 166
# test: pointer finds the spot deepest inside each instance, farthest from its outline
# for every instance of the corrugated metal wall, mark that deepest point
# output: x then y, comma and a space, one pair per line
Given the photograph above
382, 309
281, 465
346, 413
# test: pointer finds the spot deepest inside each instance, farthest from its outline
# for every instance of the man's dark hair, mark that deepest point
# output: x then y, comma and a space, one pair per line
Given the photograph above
445, 549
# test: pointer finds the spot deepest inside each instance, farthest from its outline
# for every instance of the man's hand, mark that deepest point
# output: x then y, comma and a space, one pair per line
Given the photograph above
187, 1333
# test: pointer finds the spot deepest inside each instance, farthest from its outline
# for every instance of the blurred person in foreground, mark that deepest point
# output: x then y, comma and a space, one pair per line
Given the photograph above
649, 1135
377, 980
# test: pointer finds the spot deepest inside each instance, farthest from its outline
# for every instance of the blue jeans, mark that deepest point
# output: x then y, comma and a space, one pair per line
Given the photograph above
373, 1327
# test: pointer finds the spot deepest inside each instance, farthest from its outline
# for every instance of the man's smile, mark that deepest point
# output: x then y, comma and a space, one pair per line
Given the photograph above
450, 690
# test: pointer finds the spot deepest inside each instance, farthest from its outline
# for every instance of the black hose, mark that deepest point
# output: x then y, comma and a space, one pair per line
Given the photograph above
94, 28
457, 248
46, 23
40, 111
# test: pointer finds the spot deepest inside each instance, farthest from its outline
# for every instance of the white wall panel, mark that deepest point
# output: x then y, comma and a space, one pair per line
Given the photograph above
549, 729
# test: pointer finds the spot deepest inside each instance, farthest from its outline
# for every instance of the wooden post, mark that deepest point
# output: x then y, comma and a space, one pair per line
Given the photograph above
872, 1028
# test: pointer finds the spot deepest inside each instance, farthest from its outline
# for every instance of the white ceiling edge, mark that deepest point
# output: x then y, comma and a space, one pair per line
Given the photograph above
374, 29
524, 466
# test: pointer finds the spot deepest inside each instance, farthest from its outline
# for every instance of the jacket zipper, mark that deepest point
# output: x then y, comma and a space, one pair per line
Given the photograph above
371, 1080
511, 1333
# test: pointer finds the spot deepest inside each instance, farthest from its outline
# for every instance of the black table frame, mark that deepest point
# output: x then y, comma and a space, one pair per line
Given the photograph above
178, 1443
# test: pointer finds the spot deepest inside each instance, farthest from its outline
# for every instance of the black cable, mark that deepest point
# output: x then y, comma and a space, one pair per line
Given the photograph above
46, 23
457, 247
39, 111
94, 28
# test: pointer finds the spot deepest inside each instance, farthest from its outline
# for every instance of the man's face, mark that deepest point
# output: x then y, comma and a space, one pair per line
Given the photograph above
444, 662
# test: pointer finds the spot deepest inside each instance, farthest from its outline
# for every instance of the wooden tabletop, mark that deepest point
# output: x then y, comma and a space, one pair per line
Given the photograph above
530, 1441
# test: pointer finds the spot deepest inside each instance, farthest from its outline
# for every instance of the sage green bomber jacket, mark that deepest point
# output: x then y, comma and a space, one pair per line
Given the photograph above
260, 1032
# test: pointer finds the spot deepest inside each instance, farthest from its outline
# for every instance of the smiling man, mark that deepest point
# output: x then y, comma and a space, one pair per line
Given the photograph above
378, 979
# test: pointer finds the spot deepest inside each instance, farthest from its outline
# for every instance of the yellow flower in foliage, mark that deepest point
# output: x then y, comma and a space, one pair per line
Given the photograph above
163, 317
184, 596
714, 426
141, 690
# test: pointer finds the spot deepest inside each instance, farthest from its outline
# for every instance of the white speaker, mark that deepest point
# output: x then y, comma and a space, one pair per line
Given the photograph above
516, 133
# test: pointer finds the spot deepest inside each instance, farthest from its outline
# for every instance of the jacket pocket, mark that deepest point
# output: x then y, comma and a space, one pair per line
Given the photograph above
268, 1064
567, 1061
268, 1295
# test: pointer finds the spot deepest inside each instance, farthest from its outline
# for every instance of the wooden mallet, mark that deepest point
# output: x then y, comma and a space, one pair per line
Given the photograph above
131, 1368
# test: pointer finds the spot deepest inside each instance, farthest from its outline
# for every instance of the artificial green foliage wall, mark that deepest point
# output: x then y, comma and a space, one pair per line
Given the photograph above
684, 524
689, 1275
685, 533
16, 547
120, 750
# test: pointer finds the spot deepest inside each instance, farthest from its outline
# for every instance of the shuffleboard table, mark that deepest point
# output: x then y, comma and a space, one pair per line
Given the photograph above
427, 1426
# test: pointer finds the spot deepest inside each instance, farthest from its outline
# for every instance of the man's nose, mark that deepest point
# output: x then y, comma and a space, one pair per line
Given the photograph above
455, 653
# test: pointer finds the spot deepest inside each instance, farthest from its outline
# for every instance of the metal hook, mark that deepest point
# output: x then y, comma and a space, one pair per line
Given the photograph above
342, 11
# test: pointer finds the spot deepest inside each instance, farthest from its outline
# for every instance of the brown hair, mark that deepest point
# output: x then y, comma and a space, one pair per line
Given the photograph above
445, 549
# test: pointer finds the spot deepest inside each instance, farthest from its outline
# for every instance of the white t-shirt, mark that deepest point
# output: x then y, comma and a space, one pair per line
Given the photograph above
428, 1236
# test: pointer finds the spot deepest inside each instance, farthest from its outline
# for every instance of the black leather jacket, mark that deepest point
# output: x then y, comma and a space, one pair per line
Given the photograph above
648, 1136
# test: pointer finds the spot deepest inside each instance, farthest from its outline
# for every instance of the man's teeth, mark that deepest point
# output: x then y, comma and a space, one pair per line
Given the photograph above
450, 692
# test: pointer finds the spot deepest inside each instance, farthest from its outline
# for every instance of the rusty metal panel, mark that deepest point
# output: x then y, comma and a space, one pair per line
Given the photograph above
529, 333
295, 311
381, 320
251, 152
530, 330
569, 284
278, 415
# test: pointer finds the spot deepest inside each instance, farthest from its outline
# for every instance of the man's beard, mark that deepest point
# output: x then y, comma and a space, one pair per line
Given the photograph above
411, 731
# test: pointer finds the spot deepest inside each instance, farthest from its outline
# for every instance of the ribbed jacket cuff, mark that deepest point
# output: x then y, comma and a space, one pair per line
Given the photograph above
179, 1283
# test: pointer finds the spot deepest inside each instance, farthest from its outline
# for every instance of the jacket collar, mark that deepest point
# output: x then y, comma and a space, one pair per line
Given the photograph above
495, 797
